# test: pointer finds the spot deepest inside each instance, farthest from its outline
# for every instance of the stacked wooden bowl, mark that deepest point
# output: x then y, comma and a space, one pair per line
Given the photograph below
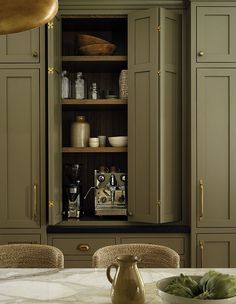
92, 45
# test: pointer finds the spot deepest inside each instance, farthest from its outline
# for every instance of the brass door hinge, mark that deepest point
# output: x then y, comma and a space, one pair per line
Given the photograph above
51, 204
158, 28
50, 25
50, 70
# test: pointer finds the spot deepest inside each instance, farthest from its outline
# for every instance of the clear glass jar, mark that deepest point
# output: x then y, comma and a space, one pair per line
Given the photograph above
65, 86
93, 91
79, 86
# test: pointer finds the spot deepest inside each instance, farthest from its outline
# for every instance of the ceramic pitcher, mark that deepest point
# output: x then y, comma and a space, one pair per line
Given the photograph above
127, 285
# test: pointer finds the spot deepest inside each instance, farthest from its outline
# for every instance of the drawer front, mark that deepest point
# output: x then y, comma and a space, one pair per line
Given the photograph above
82, 246
78, 263
20, 239
175, 243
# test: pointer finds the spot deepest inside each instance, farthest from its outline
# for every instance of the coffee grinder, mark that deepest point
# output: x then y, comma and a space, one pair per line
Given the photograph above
73, 191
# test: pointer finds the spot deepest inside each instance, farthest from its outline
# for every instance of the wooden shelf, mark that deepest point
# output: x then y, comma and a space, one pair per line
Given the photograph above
110, 102
94, 58
95, 150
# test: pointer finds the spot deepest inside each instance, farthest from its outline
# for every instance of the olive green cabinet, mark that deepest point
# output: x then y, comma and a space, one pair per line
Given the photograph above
216, 250
21, 47
22, 137
216, 34
78, 248
20, 148
213, 133
216, 147
154, 117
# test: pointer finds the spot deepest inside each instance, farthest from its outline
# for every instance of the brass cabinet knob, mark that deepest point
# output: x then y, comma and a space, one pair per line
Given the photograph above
35, 54
130, 213
83, 247
201, 53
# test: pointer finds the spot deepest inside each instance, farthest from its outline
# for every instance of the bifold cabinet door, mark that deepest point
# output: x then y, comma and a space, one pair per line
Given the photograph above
20, 47
154, 111
216, 250
216, 34
19, 148
216, 148
54, 123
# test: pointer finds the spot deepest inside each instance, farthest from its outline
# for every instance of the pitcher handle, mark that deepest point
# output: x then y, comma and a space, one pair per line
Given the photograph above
110, 279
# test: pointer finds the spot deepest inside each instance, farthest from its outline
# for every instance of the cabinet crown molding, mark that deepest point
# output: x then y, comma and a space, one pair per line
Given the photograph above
119, 4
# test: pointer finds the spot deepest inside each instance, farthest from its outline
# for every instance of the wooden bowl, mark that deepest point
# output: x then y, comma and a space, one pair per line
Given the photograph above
98, 49
85, 39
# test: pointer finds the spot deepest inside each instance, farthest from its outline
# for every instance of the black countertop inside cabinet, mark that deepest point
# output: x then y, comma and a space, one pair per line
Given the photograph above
114, 228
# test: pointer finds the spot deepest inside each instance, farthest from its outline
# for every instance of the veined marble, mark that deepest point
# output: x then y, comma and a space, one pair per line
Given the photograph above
81, 286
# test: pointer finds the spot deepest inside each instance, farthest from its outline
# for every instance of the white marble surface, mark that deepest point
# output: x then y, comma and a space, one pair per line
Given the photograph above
83, 286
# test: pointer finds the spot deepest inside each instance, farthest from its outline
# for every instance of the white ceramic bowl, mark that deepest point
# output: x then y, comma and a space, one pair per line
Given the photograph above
118, 141
172, 299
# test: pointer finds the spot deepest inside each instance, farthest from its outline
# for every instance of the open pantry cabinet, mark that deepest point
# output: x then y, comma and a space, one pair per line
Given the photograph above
149, 44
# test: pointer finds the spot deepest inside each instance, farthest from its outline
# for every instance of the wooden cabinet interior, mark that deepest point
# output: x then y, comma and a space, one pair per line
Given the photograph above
105, 116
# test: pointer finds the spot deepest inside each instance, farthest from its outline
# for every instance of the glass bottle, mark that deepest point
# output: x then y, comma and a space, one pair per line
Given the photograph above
79, 86
65, 86
93, 91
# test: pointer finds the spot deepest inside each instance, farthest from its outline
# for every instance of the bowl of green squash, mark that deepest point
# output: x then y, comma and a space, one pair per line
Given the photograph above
211, 288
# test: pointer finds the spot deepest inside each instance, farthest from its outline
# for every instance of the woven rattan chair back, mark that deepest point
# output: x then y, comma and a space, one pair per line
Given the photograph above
30, 256
150, 255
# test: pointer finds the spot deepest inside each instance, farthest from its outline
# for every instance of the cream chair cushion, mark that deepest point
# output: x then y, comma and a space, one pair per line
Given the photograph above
150, 255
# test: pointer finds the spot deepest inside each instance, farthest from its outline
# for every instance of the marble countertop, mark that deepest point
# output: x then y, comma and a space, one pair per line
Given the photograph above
83, 286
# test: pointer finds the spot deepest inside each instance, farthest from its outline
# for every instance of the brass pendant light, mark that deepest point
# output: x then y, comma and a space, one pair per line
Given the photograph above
21, 15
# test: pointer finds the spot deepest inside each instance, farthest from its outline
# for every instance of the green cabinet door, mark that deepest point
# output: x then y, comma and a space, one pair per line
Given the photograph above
19, 148
216, 148
216, 250
154, 111
21, 47
54, 123
216, 34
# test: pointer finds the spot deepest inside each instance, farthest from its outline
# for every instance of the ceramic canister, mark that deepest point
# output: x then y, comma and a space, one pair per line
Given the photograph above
80, 132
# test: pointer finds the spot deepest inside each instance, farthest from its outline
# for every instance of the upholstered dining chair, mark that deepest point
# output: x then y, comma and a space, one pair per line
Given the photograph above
30, 256
150, 255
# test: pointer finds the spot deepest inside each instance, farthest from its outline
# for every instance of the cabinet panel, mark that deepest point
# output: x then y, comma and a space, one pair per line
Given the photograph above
82, 246
154, 111
20, 238
19, 143
177, 244
216, 39
216, 148
20, 47
216, 250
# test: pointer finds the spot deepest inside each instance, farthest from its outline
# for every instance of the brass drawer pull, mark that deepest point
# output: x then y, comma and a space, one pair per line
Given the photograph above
201, 53
84, 247
201, 199
202, 252
35, 202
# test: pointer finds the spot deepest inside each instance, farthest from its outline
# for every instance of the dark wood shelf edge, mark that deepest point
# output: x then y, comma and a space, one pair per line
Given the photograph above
111, 102
95, 150
94, 58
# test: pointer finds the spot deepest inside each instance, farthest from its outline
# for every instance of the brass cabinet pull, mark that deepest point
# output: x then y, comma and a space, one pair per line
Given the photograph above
35, 54
130, 213
201, 199
201, 53
35, 201
84, 247
202, 252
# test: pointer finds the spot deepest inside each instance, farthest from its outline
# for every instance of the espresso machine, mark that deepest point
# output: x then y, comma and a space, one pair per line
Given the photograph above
73, 191
110, 192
